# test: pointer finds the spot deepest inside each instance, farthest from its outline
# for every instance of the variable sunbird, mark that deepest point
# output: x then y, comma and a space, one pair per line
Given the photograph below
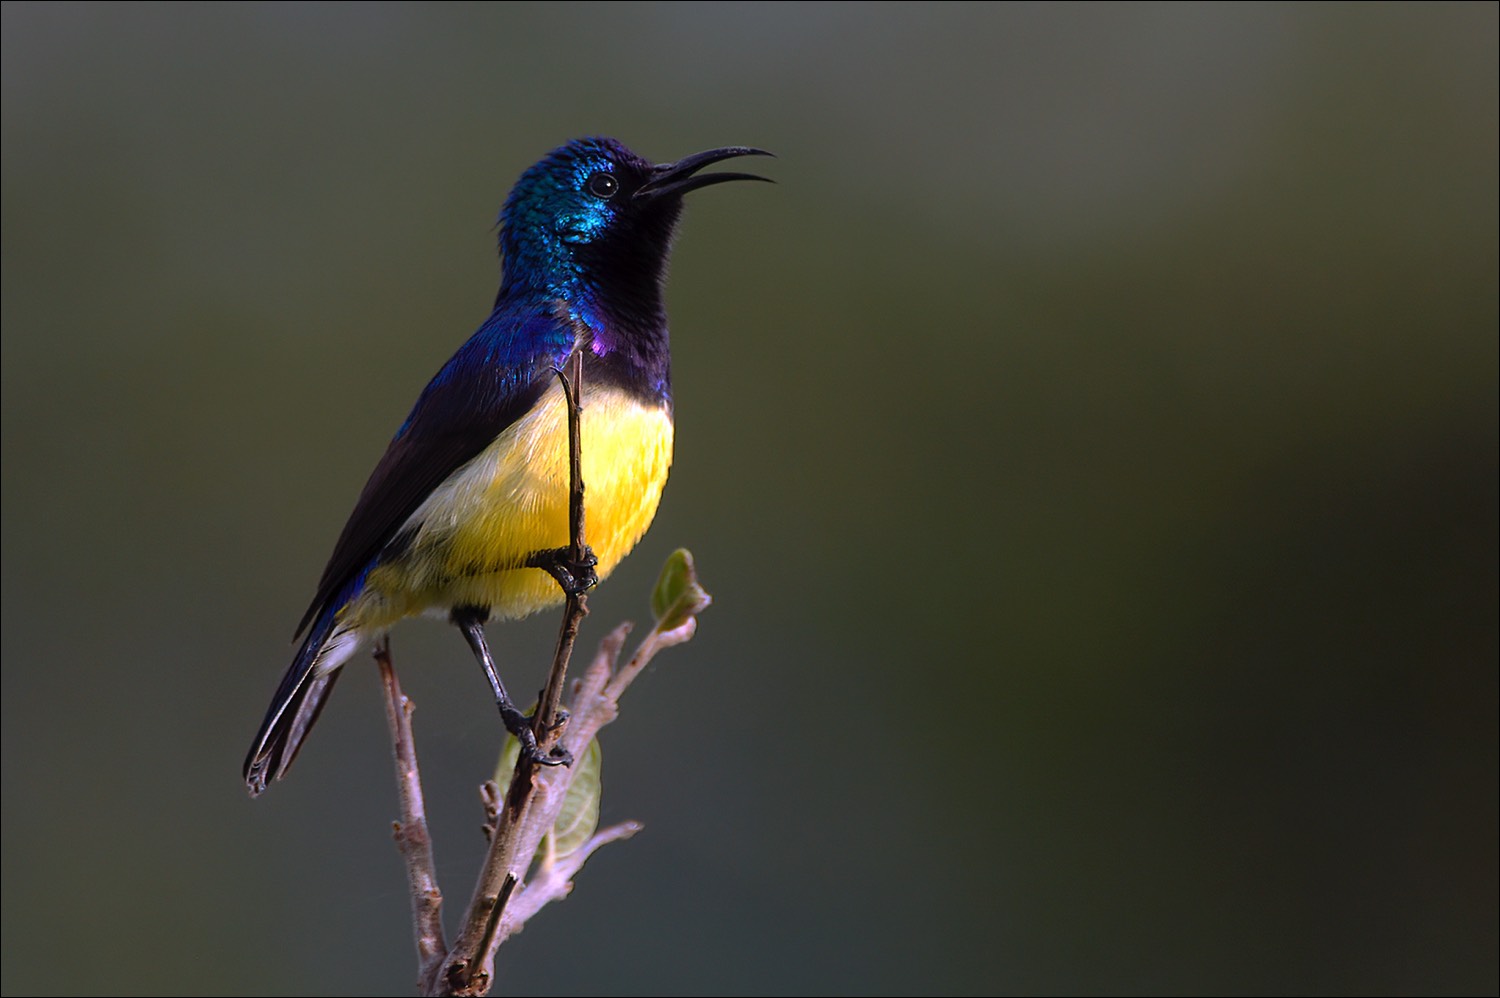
466, 515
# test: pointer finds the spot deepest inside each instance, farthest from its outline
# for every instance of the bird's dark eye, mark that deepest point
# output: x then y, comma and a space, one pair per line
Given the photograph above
603, 185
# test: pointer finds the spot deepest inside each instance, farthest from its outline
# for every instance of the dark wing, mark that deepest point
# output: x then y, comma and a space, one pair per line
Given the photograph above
493, 380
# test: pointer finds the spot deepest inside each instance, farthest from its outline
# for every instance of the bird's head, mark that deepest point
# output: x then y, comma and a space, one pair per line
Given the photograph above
594, 214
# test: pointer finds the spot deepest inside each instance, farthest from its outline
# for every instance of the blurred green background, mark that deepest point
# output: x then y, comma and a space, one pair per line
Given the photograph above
1091, 443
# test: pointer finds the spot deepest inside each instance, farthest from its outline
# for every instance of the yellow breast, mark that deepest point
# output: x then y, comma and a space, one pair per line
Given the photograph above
477, 528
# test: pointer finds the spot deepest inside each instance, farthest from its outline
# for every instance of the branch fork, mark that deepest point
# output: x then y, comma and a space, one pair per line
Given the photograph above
517, 823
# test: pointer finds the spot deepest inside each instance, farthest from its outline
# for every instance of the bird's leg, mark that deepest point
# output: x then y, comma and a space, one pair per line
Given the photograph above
575, 577
470, 620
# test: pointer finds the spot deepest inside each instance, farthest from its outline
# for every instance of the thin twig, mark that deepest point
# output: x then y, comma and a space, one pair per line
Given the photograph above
469, 965
412, 836
555, 882
517, 823
543, 724
594, 703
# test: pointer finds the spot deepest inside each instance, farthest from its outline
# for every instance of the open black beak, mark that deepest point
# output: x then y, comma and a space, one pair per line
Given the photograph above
678, 178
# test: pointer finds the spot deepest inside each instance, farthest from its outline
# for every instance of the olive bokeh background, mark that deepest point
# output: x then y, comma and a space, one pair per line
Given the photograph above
1091, 443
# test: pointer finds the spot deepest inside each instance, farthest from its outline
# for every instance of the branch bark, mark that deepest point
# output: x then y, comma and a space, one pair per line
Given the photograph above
412, 837
503, 898
469, 968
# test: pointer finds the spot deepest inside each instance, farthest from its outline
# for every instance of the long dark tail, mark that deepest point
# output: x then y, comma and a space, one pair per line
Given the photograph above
295, 708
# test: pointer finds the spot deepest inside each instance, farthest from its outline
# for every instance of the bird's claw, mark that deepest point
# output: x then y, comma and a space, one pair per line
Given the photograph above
575, 577
519, 725
558, 756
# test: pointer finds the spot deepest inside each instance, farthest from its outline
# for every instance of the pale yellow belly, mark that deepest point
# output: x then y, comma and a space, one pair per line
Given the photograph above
480, 525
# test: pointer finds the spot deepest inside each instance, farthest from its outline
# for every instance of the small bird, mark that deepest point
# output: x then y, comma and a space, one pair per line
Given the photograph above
467, 513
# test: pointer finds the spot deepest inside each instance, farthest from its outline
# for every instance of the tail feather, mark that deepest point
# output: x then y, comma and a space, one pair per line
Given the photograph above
298, 702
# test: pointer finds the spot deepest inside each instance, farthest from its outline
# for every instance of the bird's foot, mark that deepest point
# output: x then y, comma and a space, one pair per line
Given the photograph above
558, 756
575, 577
519, 724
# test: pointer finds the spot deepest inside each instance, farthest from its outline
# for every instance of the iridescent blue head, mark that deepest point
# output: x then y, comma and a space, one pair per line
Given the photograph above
592, 219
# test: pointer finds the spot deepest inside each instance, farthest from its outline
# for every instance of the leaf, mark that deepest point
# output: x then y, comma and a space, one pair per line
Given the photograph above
579, 817
678, 596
